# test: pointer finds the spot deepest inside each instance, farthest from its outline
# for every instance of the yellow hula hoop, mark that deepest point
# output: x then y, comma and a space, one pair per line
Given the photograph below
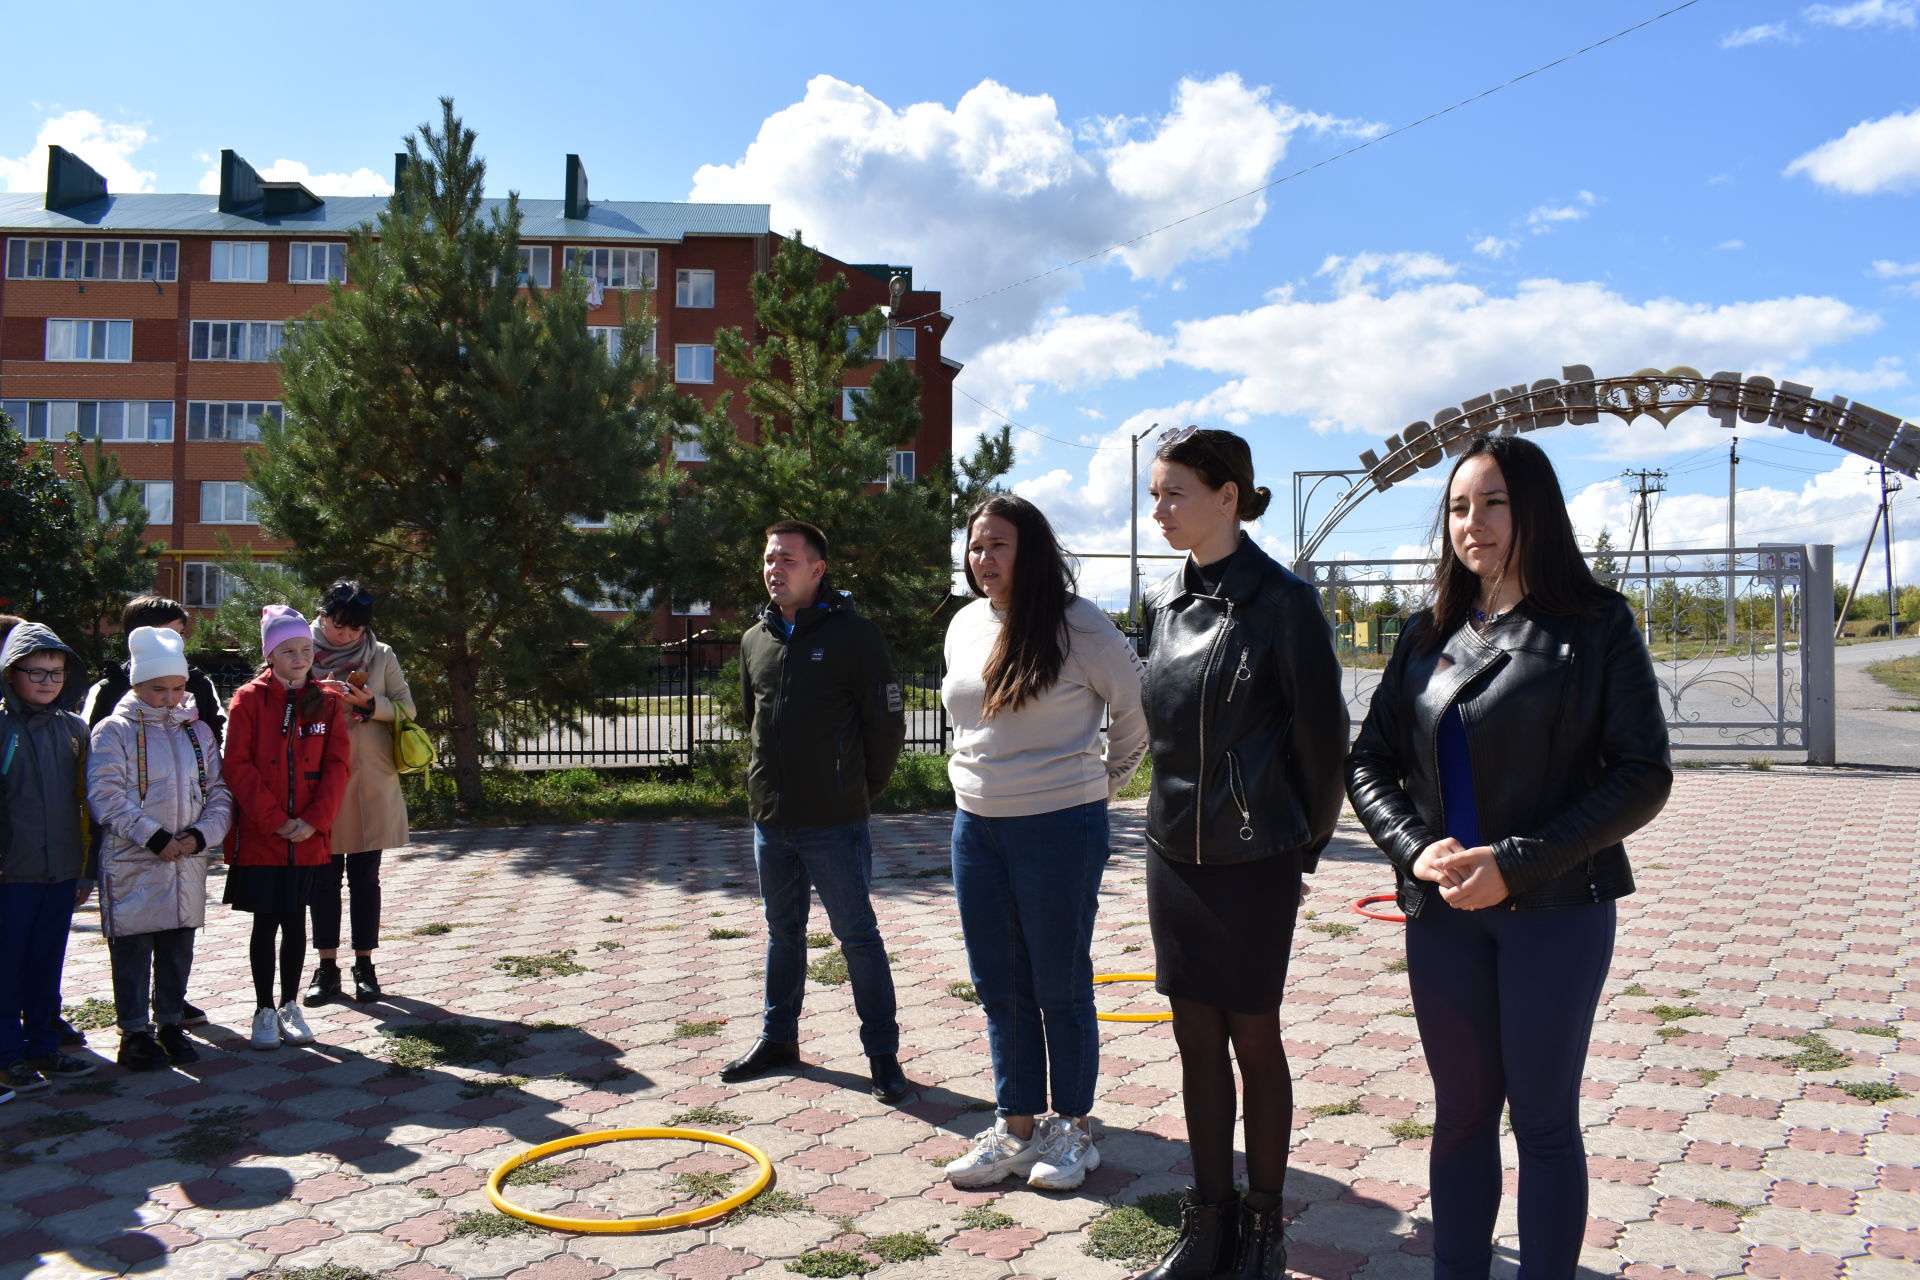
610, 1225
1129, 1017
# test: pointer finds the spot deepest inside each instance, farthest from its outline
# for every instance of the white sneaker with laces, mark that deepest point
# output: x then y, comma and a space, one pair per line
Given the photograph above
995, 1154
1066, 1155
266, 1029
293, 1024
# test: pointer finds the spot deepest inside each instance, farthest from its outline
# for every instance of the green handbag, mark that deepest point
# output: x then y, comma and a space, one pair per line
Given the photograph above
412, 746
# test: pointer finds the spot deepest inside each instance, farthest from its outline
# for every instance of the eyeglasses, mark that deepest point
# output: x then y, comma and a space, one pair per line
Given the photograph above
43, 675
344, 594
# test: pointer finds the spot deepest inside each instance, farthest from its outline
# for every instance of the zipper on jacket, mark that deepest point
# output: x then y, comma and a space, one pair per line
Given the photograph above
1240, 673
291, 727
1200, 782
1238, 786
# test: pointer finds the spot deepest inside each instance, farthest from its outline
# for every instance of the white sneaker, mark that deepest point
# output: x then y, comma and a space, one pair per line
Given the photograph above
266, 1029
1066, 1155
995, 1154
293, 1024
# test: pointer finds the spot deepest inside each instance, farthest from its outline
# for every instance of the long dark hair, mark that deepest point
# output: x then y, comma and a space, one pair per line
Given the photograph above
1218, 456
1544, 553
1033, 644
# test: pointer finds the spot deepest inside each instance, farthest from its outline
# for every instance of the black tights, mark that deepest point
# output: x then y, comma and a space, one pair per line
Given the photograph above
292, 926
1204, 1033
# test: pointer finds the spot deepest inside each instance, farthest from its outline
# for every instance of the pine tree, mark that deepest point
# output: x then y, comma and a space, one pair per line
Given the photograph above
446, 432
891, 541
39, 532
1605, 569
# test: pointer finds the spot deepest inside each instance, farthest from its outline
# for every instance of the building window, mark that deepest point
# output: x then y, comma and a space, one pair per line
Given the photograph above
155, 495
693, 363
316, 263
130, 420
90, 340
851, 398
615, 268
687, 446
536, 266
902, 466
247, 340
239, 260
93, 259
693, 288
609, 336
691, 609
226, 502
229, 419
206, 586
891, 344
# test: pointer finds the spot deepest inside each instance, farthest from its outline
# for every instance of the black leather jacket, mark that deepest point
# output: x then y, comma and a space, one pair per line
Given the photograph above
1567, 741
1245, 717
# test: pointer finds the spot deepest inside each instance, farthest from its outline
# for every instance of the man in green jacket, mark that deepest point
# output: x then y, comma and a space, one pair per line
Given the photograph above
827, 723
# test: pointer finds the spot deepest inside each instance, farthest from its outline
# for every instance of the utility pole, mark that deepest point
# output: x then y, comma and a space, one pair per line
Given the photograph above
1887, 490
1133, 535
1733, 463
1648, 483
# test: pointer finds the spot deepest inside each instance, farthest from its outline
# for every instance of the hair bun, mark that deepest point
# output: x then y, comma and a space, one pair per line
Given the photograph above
1253, 506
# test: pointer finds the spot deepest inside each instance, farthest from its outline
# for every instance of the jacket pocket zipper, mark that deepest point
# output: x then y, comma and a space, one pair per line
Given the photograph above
1240, 673
1238, 786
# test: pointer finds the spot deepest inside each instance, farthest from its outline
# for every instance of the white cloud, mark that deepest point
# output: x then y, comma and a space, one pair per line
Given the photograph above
1495, 247
1874, 155
108, 147
361, 182
1544, 218
1357, 273
1731, 244
998, 187
1865, 13
1067, 353
1754, 35
1885, 269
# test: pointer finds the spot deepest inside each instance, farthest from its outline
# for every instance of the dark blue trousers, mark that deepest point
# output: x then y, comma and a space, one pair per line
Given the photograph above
34, 919
1505, 1002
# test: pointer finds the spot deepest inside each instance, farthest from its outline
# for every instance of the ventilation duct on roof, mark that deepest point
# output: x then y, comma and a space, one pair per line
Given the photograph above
70, 180
243, 192
577, 202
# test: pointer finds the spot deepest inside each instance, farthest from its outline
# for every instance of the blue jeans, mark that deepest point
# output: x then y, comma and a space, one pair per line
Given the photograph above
836, 862
1028, 889
34, 919
1505, 1003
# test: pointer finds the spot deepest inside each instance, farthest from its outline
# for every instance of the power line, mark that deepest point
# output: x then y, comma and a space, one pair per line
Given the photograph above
1318, 164
1091, 448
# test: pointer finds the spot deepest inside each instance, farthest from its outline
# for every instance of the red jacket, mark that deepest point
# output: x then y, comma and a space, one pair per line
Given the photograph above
281, 766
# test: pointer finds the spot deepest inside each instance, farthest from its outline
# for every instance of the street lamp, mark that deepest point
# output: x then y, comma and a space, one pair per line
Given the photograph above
1133, 549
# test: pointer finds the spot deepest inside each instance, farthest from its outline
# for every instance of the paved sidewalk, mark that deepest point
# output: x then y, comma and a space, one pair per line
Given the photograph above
1772, 905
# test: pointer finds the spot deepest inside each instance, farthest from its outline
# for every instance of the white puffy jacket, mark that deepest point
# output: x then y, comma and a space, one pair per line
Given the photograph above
139, 891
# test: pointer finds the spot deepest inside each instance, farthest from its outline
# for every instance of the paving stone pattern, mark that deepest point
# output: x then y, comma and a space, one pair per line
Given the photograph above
1775, 904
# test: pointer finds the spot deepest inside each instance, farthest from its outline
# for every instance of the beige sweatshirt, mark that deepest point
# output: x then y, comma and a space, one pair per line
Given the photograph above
1046, 756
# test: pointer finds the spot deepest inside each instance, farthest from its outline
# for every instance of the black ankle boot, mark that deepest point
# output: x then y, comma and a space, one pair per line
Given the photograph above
325, 985
365, 986
1262, 1252
1205, 1247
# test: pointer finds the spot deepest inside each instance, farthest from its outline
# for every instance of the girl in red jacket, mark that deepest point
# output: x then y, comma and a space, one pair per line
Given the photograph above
286, 763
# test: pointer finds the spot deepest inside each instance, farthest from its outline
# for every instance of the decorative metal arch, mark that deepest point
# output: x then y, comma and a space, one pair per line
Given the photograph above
1578, 398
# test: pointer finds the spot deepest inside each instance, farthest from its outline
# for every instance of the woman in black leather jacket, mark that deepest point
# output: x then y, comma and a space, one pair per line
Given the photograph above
1515, 739
1247, 727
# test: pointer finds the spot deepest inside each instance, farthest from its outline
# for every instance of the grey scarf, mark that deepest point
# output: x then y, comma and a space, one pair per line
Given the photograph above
329, 661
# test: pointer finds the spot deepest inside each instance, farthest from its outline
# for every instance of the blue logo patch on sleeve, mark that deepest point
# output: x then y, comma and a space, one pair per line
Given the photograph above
819, 655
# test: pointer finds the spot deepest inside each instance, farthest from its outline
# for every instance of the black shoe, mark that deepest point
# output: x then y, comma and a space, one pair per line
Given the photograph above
763, 1057
62, 1066
192, 1015
68, 1036
366, 987
22, 1078
139, 1051
1205, 1246
325, 985
889, 1081
1262, 1253
179, 1049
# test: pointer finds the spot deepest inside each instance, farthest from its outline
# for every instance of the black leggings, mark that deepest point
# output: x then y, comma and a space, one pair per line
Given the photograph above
1204, 1033
292, 926
362, 874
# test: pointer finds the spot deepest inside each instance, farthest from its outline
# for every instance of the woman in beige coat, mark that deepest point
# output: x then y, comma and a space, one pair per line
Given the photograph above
373, 817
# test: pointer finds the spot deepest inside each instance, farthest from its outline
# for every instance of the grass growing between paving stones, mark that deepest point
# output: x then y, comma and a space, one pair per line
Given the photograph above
555, 964
1348, 1107
817, 939
963, 991
984, 1217
772, 1204
1872, 1092
695, 1030
534, 1175
902, 1246
212, 1134
433, 930
1136, 1234
723, 935
1728, 1206
1675, 1012
829, 1262
449, 1044
325, 1271
829, 970
703, 1187
1334, 928
91, 1014
1816, 1054
1409, 1130
1396, 965
489, 1224
707, 1113
487, 1088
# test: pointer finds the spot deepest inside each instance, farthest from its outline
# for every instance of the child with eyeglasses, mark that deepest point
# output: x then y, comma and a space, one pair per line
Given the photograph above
43, 851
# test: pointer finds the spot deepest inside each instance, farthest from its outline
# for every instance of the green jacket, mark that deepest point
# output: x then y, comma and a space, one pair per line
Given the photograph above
826, 712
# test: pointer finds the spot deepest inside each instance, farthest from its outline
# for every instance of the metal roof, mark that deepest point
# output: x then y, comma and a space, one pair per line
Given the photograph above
640, 220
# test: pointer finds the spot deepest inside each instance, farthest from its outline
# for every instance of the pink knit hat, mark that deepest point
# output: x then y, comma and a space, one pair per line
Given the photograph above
280, 623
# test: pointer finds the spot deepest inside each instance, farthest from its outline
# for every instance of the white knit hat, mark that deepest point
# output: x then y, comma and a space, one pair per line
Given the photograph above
157, 651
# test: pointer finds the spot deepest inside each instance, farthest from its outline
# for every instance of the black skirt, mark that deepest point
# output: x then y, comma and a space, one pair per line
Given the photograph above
283, 890
1222, 932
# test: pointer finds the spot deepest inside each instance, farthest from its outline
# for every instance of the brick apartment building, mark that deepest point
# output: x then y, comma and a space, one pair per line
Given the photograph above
151, 323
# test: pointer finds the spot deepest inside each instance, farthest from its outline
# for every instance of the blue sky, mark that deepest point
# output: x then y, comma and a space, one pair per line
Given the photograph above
1736, 186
